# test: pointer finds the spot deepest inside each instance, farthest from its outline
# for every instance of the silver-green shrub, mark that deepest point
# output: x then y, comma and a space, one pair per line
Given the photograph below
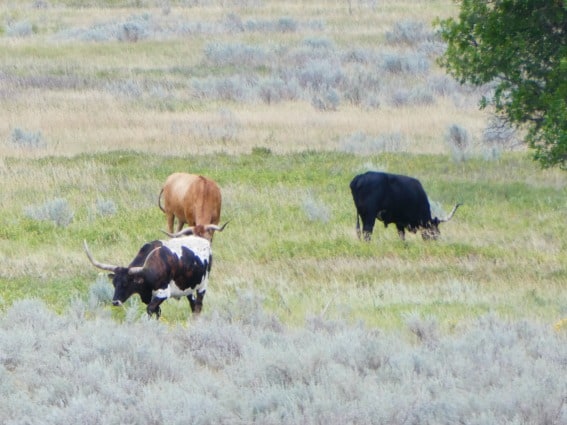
105, 207
497, 137
458, 140
365, 144
57, 211
409, 33
238, 364
406, 63
328, 100
20, 29
315, 209
26, 139
236, 54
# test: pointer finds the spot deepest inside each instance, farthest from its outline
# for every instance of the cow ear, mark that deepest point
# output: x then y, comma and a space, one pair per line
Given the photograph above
111, 276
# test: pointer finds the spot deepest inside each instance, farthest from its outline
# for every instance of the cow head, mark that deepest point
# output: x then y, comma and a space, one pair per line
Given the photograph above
431, 230
126, 280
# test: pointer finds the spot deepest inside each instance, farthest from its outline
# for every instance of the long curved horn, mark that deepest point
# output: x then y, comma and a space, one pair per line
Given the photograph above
215, 227
133, 271
450, 216
185, 232
108, 267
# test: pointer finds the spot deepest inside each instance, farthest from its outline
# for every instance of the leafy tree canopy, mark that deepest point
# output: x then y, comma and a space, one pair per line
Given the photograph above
520, 46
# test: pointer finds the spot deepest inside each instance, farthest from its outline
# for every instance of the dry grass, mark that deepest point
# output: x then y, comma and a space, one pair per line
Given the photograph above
91, 120
94, 122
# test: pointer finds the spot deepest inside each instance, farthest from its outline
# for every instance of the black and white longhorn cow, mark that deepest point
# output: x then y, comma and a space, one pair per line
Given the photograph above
393, 198
162, 269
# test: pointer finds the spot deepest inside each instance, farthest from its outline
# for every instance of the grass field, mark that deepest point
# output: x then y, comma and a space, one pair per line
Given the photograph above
282, 103
291, 234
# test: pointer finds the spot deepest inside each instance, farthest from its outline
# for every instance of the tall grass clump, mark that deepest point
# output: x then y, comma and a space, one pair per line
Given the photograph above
241, 365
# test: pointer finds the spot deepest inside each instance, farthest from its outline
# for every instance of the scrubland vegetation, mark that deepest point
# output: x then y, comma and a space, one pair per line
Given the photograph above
282, 103
241, 365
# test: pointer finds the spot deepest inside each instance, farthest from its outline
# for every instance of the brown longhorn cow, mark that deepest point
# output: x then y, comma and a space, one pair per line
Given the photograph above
192, 199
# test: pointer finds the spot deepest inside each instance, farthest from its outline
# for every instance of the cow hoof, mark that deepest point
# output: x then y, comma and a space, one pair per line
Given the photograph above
156, 311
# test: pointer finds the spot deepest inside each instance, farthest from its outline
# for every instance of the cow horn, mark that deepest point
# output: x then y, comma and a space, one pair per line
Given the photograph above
95, 263
450, 216
215, 227
185, 232
136, 270
132, 271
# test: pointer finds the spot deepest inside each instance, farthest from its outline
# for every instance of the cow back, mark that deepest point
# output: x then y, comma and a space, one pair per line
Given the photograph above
392, 198
194, 257
175, 190
408, 201
143, 253
203, 202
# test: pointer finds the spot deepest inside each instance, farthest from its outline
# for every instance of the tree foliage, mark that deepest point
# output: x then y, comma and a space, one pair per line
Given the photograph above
521, 47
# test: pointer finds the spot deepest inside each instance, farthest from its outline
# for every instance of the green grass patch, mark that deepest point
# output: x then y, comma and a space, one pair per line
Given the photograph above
291, 235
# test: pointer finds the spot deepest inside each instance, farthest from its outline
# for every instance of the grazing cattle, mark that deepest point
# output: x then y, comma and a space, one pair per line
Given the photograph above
192, 199
163, 269
393, 198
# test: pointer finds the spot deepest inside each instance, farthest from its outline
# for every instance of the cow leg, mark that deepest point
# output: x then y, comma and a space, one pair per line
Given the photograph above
367, 227
196, 304
401, 232
170, 222
154, 307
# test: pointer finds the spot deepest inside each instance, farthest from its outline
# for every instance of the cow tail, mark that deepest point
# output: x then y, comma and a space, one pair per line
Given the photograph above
159, 200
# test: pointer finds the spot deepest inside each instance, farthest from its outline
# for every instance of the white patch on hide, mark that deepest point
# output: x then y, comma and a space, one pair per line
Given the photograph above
200, 246
202, 249
162, 294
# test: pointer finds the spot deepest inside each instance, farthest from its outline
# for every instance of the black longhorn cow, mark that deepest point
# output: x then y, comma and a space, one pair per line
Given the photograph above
162, 269
393, 198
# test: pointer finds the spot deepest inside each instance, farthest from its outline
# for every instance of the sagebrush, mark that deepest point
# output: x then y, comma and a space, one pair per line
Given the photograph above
242, 365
